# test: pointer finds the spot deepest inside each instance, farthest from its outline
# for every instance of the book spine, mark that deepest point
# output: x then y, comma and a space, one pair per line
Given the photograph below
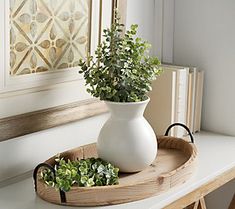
193, 99
189, 104
181, 100
160, 110
173, 99
198, 104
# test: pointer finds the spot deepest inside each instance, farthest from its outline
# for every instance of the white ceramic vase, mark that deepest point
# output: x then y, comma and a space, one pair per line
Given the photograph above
127, 140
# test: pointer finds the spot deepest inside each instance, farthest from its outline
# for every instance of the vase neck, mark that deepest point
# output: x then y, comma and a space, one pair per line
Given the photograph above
127, 110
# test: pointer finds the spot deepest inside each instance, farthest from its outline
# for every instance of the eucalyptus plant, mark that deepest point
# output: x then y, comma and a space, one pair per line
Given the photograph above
83, 173
121, 70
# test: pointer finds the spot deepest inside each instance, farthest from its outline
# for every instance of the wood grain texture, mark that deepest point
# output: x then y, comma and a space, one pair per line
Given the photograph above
199, 204
202, 203
174, 164
196, 205
205, 189
122, 8
20, 125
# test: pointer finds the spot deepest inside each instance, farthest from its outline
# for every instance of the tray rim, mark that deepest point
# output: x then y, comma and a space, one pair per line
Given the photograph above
161, 139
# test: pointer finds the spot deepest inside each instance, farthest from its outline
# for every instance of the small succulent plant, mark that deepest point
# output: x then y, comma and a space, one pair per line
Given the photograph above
83, 173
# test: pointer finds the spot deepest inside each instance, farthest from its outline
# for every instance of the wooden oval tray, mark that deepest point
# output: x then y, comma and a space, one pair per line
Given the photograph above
174, 164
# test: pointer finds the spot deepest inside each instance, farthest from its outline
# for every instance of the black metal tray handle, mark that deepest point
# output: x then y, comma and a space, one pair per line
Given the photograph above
182, 125
35, 175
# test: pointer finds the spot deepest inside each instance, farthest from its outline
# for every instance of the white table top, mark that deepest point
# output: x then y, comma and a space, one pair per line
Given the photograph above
216, 155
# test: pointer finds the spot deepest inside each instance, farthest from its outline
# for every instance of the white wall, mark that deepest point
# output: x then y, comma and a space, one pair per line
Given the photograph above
204, 36
22, 154
142, 13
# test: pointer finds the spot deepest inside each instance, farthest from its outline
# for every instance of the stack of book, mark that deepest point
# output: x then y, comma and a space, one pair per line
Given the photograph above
176, 97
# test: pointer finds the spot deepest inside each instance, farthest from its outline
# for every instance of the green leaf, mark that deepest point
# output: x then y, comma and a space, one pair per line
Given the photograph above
86, 172
121, 70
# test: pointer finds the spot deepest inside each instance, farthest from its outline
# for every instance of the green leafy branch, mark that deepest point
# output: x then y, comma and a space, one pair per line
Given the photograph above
83, 173
121, 70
